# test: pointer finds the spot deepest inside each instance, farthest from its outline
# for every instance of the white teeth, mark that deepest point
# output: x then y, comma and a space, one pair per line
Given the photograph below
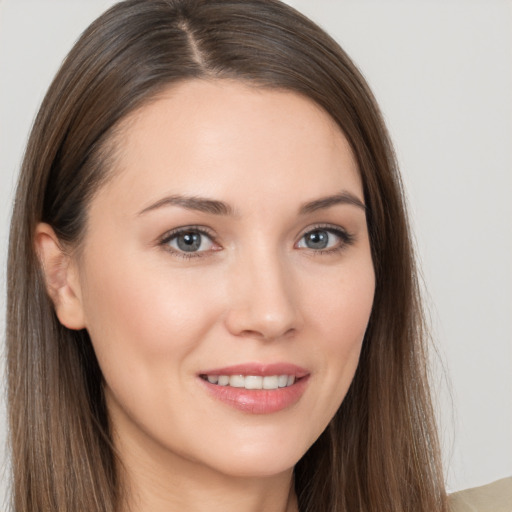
252, 381
223, 380
237, 381
282, 380
270, 382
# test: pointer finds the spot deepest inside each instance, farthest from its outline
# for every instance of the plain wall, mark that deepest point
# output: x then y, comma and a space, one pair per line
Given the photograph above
442, 73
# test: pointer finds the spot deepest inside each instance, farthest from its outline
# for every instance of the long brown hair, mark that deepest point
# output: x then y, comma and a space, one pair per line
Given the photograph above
380, 451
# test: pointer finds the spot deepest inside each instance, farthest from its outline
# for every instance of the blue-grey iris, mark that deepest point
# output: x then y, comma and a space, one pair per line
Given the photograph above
317, 239
189, 242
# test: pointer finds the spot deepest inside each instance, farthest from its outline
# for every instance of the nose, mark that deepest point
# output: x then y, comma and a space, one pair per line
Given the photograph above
264, 299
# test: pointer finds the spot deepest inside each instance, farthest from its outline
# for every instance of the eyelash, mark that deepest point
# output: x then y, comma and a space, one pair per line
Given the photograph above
170, 235
347, 239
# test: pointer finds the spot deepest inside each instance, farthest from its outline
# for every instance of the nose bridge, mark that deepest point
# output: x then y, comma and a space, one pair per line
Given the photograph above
263, 301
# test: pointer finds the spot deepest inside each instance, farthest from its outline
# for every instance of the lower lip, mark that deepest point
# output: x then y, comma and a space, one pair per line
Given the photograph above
258, 401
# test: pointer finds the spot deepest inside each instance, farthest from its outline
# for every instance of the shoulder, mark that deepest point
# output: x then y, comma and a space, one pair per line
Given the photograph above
494, 497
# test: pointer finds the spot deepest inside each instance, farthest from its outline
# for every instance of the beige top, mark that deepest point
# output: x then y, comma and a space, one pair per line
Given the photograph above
495, 497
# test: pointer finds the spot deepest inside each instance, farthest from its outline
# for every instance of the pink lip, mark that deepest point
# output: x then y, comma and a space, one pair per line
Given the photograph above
259, 369
258, 401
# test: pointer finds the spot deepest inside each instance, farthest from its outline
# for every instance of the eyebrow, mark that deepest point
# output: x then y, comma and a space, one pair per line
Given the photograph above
215, 207
326, 202
200, 204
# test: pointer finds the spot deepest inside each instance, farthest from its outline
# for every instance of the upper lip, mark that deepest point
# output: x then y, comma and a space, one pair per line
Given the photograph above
259, 369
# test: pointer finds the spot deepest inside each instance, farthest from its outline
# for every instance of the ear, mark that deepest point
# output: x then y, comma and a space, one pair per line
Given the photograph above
61, 277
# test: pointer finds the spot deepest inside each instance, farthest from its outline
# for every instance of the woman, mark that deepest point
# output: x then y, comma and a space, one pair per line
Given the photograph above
212, 298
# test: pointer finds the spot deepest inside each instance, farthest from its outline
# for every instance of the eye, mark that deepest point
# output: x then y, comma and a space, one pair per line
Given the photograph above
325, 239
188, 240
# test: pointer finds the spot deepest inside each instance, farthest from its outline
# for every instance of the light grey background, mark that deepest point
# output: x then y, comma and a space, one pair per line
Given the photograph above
442, 73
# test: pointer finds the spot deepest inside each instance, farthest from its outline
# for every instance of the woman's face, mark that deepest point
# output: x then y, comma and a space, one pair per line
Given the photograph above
230, 247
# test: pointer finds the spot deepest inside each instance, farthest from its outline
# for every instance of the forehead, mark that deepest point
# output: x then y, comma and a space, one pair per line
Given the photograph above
225, 138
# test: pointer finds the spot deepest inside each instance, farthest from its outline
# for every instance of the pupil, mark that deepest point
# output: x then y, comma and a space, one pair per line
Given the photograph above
189, 242
317, 240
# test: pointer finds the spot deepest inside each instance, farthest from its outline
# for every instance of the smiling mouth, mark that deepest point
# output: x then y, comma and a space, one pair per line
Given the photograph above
257, 388
268, 382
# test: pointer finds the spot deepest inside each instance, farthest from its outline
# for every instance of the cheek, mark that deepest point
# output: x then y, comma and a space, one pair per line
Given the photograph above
341, 308
147, 315
338, 318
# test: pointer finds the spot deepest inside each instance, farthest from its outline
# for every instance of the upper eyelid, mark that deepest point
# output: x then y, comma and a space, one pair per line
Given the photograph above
206, 231
326, 227
163, 241
184, 229
210, 233
347, 237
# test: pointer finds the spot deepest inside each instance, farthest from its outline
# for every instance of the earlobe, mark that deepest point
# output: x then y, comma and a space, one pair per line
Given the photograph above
61, 277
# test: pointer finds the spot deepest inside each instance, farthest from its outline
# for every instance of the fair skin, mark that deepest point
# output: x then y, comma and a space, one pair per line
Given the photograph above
278, 274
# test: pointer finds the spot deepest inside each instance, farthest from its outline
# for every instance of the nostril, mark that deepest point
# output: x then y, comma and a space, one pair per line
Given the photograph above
268, 334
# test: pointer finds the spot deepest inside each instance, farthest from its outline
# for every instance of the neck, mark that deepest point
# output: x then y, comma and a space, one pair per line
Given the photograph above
155, 480
153, 489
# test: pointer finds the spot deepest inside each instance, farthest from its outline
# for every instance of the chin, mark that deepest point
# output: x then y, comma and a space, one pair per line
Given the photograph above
255, 467
258, 459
